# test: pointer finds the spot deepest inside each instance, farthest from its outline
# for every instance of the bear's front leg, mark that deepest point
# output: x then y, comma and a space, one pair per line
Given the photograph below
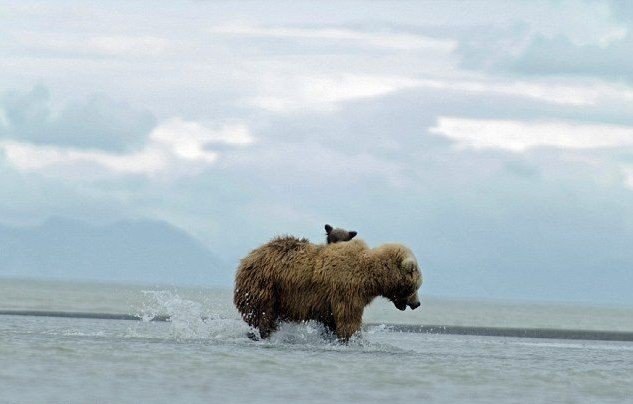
348, 320
328, 321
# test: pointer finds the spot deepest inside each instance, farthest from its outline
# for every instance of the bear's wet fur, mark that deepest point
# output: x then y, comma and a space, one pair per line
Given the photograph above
291, 279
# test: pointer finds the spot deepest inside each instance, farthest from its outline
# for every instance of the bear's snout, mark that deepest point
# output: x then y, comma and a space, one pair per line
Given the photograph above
400, 304
413, 301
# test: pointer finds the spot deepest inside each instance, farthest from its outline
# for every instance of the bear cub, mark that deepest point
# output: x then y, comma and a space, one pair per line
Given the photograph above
335, 235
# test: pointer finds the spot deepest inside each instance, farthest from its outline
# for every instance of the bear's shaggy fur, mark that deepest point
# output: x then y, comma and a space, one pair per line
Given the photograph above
291, 279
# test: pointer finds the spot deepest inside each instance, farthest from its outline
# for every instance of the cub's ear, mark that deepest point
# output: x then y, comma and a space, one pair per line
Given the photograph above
409, 265
328, 228
352, 234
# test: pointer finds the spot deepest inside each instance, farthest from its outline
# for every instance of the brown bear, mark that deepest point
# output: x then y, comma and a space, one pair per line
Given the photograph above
291, 279
337, 235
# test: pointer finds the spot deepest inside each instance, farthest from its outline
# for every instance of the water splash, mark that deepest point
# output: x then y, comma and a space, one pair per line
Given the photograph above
210, 321
308, 333
189, 319
312, 335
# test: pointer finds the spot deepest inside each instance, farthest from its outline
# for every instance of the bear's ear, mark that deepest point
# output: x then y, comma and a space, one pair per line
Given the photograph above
328, 228
352, 234
409, 265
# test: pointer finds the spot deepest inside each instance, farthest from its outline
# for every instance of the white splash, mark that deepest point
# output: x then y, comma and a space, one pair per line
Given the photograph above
190, 319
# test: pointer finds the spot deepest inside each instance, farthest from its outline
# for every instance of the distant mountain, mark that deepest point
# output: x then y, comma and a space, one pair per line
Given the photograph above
129, 251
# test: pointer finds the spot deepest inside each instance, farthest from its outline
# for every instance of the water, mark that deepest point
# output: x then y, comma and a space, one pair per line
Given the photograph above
203, 354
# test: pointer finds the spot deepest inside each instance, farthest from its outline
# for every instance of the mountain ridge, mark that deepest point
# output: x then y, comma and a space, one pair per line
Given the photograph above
138, 250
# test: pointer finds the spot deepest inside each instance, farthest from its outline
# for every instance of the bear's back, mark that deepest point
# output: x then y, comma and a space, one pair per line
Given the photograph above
353, 248
336, 262
278, 255
287, 244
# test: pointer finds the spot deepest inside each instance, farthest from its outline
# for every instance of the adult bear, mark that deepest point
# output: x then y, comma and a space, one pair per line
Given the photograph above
291, 279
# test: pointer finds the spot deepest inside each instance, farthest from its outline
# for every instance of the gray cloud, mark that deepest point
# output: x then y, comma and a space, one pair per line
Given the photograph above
97, 122
593, 39
519, 49
622, 10
559, 56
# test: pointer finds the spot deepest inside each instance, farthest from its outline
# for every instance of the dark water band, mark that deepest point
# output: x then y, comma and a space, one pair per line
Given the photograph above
514, 332
74, 314
423, 329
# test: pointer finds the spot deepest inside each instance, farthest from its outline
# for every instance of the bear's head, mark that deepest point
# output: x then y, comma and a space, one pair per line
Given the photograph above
409, 278
335, 235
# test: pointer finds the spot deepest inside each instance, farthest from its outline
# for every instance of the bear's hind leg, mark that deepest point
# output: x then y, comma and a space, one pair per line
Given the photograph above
267, 320
267, 325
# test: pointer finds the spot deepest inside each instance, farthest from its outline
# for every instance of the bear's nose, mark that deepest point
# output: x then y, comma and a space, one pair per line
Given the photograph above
414, 305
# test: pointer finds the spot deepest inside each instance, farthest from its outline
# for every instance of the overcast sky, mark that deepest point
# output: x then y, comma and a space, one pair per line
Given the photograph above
494, 138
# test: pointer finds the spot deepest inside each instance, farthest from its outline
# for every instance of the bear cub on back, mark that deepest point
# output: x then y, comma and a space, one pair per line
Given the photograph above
335, 235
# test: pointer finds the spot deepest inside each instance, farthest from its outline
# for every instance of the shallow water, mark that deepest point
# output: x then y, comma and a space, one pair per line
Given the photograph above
192, 360
74, 360
134, 299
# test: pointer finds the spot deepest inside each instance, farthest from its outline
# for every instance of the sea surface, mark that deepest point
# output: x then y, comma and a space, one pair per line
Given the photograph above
203, 355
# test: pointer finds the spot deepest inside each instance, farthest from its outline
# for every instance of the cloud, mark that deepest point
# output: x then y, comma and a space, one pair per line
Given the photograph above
29, 157
71, 45
289, 94
97, 122
621, 10
563, 150
563, 38
576, 94
378, 39
560, 56
174, 148
519, 136
297, 165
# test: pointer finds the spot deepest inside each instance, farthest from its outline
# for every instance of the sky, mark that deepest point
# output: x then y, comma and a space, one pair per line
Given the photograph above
493, 138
